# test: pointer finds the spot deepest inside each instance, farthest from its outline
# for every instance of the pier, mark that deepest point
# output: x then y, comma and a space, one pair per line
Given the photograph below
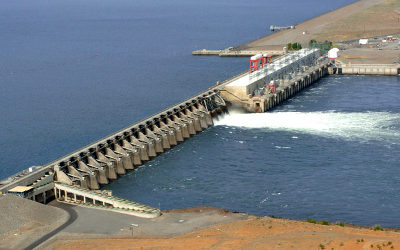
230, 52
75, 177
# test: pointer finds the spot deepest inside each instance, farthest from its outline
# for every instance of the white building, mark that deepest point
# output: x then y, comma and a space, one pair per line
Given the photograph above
333, 53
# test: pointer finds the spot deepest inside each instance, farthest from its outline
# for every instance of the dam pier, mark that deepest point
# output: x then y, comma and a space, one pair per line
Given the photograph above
78, 177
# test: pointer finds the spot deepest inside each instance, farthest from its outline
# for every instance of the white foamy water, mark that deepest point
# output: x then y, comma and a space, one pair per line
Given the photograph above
382, 126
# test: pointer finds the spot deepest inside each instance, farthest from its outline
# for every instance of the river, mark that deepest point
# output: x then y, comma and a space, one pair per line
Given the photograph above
73, 72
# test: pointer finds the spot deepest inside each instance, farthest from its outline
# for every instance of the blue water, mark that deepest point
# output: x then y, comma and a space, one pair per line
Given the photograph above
75, 71
331, 153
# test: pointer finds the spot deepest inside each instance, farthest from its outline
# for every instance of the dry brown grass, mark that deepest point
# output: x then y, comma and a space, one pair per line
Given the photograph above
381, 19
253, 233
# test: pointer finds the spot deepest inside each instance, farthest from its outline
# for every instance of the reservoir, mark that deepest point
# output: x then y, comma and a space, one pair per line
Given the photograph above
75, 72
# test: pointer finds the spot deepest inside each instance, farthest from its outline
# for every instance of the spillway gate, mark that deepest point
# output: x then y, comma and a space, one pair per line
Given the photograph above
105, 160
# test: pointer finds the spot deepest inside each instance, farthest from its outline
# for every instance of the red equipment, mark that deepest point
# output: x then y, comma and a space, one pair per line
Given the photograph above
254, 62
258, 61
271, 87
266, 59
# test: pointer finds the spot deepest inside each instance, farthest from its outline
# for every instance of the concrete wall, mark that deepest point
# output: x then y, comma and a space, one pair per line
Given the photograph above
369, 69
80, 196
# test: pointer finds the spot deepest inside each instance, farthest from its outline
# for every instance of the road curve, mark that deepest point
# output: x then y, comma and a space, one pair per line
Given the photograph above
72, 217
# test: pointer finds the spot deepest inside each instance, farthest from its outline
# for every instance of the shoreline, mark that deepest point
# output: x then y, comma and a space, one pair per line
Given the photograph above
314, 25
296, 24
244, 231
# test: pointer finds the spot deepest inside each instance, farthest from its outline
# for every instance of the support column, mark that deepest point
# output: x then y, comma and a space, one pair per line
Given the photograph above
126, 158
120, 166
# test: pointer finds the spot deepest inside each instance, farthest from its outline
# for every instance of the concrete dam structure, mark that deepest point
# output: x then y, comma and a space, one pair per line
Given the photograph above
270, 84
70, 178
77, 177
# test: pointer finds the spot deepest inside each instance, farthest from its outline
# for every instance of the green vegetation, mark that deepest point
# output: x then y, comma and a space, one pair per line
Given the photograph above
322, 246
311, 221
341, 224
294, 46
323, 46
377, 228
322, 222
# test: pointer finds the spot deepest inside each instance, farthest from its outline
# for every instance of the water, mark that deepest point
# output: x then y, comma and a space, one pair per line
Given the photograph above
320, 155
73, 72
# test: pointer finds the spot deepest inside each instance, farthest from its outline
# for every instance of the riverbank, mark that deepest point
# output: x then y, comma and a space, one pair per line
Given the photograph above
364, 18
194, 228
242, 232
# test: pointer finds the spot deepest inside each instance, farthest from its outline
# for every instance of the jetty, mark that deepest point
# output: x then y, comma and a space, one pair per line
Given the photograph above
238, 52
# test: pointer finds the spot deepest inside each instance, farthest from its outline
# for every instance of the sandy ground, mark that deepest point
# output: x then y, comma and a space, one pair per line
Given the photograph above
376, 52
380, 19
251, 233
364, 18
92, 223
23, 221
192, 228
369, 56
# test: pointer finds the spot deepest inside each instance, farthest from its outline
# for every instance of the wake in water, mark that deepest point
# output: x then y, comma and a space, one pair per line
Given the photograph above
381, 126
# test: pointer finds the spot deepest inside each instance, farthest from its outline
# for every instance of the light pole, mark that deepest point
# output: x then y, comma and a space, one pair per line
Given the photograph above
133, 225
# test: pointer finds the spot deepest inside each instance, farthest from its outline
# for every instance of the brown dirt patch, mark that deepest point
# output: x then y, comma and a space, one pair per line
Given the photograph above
253, 233
364, 18
380, 19
198, 210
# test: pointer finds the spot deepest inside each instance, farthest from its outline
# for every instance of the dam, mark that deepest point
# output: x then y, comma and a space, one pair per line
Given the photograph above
76, 177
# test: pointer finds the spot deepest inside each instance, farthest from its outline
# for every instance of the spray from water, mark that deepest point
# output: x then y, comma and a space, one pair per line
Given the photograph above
382, 126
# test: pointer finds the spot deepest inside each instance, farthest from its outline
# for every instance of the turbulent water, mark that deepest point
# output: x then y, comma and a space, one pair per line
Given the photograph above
368, 126
75, 71
330, 153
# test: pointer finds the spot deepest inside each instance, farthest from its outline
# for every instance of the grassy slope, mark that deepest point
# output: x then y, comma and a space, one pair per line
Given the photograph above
380, 19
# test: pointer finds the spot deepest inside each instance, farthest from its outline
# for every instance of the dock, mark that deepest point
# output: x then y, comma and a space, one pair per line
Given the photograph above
230, 52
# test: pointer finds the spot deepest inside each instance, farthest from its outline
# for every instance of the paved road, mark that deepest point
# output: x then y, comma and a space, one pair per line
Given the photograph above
72, 217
